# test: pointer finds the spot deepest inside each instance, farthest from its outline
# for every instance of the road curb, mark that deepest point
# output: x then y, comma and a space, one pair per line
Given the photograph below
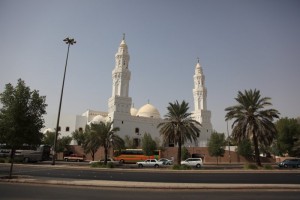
153, 185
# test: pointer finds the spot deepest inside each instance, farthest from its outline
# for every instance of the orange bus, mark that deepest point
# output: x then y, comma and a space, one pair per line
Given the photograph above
134, 155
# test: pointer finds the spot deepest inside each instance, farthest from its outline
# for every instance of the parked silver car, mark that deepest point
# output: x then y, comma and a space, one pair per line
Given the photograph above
193, 162
166, 161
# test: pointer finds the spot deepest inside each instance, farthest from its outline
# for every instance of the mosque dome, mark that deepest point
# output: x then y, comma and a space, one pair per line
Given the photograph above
148, 110
133, 111
97, 119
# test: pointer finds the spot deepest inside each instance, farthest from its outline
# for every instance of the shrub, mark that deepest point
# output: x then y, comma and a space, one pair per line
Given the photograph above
102, 165
110, 165
268, 167
181, 167
250, 166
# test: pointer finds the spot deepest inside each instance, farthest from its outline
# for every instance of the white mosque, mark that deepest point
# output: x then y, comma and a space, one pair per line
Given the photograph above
135, 122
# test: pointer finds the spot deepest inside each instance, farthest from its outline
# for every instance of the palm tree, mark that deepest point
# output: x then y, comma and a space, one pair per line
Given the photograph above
178, 126
106, 136
91, 142
252, 121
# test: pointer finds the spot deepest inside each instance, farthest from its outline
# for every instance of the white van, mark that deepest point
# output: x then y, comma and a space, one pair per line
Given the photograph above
193, 162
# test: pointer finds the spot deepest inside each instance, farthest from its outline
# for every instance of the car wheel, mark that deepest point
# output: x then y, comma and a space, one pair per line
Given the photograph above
66, 159
140, 165
285, 166
122, 161
156, 166
298, 165
198, 166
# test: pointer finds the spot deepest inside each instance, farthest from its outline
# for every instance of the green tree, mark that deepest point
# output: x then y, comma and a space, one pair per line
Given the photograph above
48, 138
178, 126
252, 120
91, 142
62, 142
216, 145
148, 144
296, 148
288, 134
78, 136
245, 148
21, 117
128, 142
105, 132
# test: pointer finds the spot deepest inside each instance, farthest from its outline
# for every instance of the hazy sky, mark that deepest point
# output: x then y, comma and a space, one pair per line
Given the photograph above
242, 44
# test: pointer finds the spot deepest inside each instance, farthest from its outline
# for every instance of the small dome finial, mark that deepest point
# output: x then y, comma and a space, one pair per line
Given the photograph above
123, 36
198, 60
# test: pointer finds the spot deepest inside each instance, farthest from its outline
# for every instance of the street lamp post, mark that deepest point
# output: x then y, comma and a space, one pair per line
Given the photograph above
68, 41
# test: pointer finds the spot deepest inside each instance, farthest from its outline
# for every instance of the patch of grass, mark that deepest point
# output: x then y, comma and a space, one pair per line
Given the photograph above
7, 160
181, 167
250, 166
102, 165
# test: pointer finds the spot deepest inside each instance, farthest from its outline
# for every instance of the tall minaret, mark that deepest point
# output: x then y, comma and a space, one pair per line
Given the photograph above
199, 91
201, 114
120, 100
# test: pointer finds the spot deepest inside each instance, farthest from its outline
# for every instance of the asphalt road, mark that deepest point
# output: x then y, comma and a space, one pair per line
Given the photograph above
156, 175
16, 191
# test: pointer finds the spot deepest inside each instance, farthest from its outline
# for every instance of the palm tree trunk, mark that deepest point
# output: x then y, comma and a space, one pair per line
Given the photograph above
179, 152
256, 150
105, 154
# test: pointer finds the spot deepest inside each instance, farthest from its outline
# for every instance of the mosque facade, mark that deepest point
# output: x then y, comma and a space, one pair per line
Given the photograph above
136, 122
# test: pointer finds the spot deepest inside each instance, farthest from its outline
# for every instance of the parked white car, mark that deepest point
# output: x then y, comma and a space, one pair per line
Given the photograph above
193, 162
109, 160
150, 163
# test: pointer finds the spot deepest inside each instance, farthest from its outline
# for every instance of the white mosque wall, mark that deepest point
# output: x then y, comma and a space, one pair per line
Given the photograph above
136, 127
67, 125
81, 122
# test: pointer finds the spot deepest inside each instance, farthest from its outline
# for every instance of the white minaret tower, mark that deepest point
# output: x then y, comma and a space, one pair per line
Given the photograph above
201, 114
120, 101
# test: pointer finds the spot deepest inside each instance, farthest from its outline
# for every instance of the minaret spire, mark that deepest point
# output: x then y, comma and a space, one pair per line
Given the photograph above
201, 114
199, 90
120, 100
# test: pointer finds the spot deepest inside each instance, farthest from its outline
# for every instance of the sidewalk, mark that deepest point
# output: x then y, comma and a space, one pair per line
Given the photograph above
148, 185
